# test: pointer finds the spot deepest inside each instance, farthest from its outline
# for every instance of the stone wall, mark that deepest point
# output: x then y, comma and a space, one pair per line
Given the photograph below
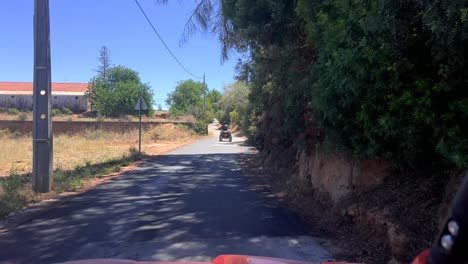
76, 127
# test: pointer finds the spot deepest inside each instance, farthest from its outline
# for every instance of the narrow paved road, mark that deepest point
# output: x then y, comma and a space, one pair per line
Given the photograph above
191, 204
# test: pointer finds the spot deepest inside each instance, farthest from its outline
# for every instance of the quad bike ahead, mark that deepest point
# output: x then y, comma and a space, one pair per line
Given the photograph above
225, 134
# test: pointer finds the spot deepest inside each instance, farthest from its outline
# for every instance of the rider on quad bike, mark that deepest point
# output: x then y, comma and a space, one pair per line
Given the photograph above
225, 133
225, 126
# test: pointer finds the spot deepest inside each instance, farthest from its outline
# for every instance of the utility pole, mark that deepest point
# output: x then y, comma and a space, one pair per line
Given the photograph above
204, 95
42, 122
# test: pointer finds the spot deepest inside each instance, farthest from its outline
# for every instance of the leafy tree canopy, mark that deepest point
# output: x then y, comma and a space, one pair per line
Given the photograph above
115, 91
187, 98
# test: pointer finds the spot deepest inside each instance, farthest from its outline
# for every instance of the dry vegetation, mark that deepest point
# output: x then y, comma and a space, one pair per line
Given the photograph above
159, 116
78, 159
93, 146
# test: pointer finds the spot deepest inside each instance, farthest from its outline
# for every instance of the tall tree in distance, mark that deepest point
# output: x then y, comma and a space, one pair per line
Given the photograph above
104, 63
115, 90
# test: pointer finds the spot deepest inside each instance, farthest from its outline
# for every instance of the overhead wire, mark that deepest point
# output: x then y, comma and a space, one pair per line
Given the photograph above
164, 43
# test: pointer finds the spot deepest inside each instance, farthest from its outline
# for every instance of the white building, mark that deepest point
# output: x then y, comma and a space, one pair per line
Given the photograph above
20, 95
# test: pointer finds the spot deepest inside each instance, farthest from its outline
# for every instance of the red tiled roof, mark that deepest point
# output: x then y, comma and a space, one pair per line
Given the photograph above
56, 87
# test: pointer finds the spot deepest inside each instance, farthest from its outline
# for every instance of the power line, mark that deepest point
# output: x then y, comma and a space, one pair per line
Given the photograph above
160, 38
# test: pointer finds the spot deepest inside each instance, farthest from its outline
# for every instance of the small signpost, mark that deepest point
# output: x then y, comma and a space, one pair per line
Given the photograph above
140, 106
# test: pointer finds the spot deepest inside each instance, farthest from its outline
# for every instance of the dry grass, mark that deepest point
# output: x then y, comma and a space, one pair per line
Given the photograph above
92, 147
69, 151
168, 132
78, 160
87, 117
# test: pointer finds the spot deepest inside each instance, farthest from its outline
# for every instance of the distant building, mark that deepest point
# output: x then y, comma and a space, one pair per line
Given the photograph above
20, 95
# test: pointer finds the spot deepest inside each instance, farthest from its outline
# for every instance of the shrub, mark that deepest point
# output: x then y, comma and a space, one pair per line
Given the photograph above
23, 117
56, 112
133, 154
234, 117
13, 111
67, 111
201, 127
13, 197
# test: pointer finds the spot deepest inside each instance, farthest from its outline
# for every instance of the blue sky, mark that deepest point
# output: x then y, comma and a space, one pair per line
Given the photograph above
80, 28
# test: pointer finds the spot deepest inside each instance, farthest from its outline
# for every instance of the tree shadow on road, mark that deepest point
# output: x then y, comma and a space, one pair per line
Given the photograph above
169, 200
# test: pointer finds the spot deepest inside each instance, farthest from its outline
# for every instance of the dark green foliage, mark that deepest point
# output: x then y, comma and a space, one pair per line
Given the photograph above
115, 90
187, 98
201, 127
213, 99
13, 198
235, 106
67, 111
382, 78
388, 84
119, 95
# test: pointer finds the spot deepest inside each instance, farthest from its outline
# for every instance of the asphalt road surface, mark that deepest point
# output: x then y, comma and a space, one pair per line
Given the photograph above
189, 205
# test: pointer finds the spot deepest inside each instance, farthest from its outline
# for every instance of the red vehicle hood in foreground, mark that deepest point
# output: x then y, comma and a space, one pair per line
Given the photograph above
223, 259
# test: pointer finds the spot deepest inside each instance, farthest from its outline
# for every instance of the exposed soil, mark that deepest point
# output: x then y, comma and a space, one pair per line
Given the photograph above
401, 215
335, 236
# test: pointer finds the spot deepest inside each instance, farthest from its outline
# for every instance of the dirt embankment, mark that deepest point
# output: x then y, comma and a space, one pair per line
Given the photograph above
372, 211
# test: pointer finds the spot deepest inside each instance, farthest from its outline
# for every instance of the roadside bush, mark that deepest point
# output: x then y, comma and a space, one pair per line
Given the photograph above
234, 117
380, 79
201, 127
13, 111
133, 154
56, 112
219, 115
23, 117
100, 118
13, 197
9, 134
67, 111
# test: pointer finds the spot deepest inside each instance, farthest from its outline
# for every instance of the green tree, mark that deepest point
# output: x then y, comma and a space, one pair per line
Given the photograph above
187, 98
235, 99
213, 99
381, 78
104, 63
114, 91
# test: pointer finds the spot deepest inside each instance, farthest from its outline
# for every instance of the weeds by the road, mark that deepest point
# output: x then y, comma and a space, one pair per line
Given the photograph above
77, 159
16, 190
91, 146
69, 151
73, 180
13, 196
162, 133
